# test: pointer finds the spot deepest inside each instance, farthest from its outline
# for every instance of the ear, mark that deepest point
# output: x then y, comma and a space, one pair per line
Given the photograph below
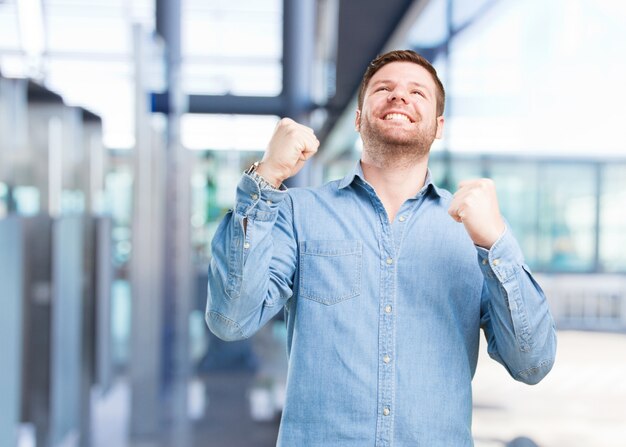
439, 132
357, 121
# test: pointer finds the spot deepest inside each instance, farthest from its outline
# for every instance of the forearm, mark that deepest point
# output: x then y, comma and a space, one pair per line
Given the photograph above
516, 317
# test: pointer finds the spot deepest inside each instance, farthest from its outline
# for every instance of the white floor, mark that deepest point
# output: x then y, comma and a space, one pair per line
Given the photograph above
581, 403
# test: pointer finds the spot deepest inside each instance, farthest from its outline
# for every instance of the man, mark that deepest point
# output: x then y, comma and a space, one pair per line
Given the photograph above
385, 278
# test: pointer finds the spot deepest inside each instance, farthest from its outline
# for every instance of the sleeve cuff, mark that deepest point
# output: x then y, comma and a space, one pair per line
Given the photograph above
504, 257
256, 202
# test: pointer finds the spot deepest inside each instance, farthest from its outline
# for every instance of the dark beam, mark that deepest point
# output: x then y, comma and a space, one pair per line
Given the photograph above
39, 93
245, 105
365, 27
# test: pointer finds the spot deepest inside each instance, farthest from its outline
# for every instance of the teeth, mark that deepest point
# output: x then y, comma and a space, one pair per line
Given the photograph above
397, 116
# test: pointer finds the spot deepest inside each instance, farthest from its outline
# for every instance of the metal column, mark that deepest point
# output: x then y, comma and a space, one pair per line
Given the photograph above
178, 270
298, 51
146, 262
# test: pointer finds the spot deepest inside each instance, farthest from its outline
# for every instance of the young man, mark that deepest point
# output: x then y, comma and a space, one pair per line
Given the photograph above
385, 278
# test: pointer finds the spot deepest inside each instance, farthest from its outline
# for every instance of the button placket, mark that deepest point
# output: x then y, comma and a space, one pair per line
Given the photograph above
391, 233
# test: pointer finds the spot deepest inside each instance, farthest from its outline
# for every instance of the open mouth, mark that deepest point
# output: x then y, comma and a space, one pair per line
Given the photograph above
397, 117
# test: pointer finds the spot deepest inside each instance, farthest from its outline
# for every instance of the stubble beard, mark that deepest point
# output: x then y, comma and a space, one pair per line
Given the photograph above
395, 149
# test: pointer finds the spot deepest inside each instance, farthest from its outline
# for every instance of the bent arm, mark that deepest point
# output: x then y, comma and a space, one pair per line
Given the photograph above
251, 270
515, 316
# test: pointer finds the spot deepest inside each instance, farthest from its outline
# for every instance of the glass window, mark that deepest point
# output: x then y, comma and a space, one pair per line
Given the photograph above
516, 79
218, 57
213, 184
566, 217
613, 219
119, 198
9, 31
224, 132
249, 77
517, 185
27, 200
431, 28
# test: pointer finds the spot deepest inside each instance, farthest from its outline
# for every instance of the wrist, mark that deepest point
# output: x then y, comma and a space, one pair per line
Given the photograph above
269, 175
263, 177
492, 238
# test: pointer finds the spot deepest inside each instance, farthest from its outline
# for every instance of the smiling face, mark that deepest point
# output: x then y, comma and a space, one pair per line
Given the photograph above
398, 119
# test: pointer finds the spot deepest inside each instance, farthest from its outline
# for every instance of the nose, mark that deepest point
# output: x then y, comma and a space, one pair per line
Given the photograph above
398, 94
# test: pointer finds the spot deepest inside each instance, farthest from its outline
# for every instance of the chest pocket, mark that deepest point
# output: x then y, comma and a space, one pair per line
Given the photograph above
330, 271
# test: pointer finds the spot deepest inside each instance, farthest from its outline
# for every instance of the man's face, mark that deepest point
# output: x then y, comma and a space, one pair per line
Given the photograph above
400, 110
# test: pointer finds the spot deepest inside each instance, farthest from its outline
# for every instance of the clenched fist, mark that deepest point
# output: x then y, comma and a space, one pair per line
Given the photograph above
292, 144
475, 204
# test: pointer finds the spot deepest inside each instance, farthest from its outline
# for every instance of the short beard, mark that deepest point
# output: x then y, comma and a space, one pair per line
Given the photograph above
386, 151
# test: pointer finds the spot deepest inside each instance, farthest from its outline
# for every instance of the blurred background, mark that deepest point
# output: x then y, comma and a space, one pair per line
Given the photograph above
125, 126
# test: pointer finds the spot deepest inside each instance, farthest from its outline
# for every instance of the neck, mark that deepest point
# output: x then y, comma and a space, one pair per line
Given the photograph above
396, 182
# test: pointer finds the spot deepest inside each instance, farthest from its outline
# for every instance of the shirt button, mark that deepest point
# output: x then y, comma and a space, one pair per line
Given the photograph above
386, 411
388, 308
402, 219
254, 196
246, 245
485, 261
386, 359
389, 261
269, 202
496, 261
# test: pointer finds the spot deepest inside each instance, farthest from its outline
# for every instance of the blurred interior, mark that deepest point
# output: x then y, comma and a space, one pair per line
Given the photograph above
125, 127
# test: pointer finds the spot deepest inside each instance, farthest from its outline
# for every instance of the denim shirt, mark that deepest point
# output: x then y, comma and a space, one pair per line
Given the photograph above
383, 318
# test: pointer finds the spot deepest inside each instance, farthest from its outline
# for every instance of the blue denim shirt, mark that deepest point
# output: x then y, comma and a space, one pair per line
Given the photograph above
383, 317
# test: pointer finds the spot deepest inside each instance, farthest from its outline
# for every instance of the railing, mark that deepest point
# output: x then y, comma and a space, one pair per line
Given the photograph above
589, 302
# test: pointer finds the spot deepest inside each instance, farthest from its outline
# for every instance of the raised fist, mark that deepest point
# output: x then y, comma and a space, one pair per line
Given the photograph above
292, 144
475, 204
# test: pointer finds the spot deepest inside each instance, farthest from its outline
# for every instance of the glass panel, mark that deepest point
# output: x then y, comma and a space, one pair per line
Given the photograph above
516, 80
431, 28
244, 77
113, 99
11, 331
121, 308
217, 55
213, 185
224, 132
613, 219
119, 196
448, 171
9, 31
67, 327
567, 217
463, 169
88, 35
464, 11
517, 186
26, 200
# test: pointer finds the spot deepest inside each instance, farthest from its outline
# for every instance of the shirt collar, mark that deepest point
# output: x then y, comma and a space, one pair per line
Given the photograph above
357, 172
